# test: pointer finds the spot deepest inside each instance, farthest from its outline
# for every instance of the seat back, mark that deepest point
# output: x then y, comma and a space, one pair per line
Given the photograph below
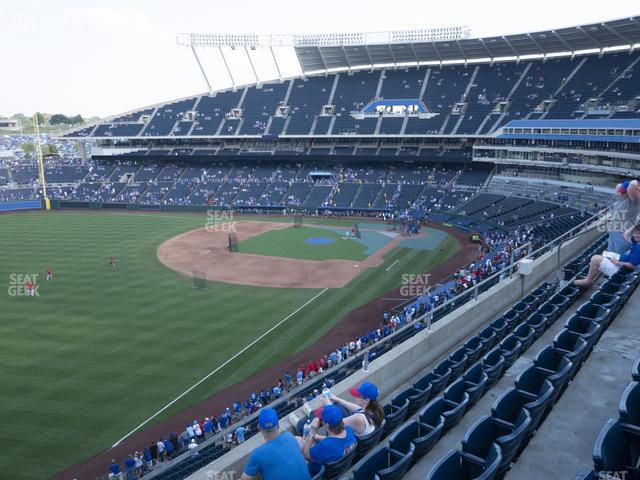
448, 467
431, 414
333, 470
510, 349
398, 462
610, 451
499, 326
635, 370
507, 406
473, 347
493, 365
320, 474
367, 442
479, 438
629, 405
525, 334
394, 416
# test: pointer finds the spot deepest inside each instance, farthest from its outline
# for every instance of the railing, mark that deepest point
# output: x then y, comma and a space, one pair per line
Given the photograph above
385, 344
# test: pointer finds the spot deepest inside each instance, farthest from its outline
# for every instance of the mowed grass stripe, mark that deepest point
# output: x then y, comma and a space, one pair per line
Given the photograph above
103, 348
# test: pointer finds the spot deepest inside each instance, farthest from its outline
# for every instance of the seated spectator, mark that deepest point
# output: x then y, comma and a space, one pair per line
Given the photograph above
340, 440
609, 265
365, 415
279, 458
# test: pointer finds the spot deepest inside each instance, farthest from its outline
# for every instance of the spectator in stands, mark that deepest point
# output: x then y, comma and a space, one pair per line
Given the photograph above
114, 470
363, 416
279, 458
340, 440
624, 214
609, 265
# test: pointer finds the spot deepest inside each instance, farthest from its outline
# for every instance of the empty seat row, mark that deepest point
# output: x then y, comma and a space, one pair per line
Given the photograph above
518, 412
616, 451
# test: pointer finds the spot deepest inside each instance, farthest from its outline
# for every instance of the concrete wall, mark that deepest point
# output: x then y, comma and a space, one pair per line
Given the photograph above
418, 354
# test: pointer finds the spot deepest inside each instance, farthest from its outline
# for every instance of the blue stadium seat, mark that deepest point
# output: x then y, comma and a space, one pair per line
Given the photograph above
635, 370
417, 399
475, 381
424, 383
439, 407
609, 301
623, 291
525, 334
629, 408
557, 368
587, 474
561, 302
572, 346
422, 435
538, 322
441, 377
457, 362
612, 451
456, 400
493, 366
367, 442
488, 430
488, 338
550, 312
334, 470
523, 308
570, 292
510, 349
534, 386
320, 474
597, 313
456, 465
508, 407
590, 331
394, 416
512, 318
499, 326
473, 347
384, 463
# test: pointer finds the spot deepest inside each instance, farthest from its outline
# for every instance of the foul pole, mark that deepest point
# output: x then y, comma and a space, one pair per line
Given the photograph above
47, 202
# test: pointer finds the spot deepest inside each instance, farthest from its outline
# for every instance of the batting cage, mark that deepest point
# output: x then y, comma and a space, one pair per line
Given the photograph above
297, 221
199, 280
233, 242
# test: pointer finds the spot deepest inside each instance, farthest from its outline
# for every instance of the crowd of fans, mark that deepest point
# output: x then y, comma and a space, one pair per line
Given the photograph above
494, 255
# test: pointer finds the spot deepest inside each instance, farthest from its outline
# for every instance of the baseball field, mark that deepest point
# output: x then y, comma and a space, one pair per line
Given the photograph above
100, 350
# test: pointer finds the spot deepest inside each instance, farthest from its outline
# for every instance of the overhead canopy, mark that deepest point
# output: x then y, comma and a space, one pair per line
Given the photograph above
596, 36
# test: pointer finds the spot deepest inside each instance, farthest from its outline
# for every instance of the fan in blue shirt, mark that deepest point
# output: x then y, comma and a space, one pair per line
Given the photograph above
280, 457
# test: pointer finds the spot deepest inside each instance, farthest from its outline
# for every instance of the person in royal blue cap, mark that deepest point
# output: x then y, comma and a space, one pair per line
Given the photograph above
340, 440
366, 414
280, 457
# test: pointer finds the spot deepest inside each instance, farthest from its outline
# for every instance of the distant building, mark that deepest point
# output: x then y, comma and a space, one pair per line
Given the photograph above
8, 124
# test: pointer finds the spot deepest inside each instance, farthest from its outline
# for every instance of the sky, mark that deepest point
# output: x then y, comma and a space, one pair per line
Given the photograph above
104, 57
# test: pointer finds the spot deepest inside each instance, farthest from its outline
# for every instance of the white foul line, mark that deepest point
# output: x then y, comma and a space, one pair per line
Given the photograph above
218, 369
387, 269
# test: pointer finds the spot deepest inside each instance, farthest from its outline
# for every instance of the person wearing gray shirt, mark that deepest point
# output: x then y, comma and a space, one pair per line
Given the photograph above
624, 214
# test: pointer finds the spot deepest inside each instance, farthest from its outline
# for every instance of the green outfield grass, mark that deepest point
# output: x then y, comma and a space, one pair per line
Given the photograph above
103, 348
290, 243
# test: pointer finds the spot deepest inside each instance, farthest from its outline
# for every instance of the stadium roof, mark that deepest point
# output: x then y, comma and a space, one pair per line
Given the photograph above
595, 36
